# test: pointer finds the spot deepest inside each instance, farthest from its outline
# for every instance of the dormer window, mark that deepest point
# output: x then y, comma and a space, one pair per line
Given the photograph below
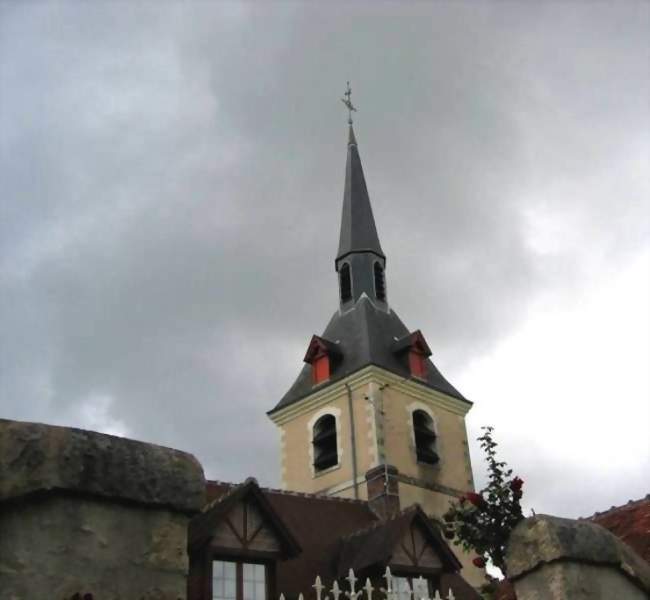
425, 438
416, 351
345, 282
380, 283
321, 368
322, 356
417, 363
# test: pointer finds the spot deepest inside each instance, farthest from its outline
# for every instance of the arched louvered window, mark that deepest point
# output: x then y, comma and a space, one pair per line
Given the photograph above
425, 438
380, 283
324, 442
345, 282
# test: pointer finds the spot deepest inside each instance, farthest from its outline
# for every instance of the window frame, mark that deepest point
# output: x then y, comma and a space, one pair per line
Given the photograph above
320, 437
377, 264
240, 561
412, 409
433, 583
347, 268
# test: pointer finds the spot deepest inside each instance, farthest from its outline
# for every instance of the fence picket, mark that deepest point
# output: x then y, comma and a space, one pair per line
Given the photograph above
318, 586
368, 588
409, 592
336, 590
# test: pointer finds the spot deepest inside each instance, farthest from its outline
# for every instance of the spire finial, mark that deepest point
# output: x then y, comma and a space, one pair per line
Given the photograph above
348, 103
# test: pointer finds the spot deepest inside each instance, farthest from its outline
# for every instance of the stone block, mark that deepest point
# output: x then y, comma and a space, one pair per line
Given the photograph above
83, 512
37, 458
551, 558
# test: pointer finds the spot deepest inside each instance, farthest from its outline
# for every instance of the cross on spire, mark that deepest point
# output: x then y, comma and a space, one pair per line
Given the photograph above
348, 102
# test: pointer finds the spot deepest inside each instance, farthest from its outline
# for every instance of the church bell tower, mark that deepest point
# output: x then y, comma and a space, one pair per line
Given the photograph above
370, 416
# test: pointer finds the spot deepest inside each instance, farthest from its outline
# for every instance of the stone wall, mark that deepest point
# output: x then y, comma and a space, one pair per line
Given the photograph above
83, 512
549, 558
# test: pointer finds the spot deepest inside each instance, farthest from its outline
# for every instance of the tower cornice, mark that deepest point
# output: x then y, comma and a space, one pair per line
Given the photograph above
371, 374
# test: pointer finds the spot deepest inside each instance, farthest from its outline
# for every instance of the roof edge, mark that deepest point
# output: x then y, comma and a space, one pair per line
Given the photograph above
330, 384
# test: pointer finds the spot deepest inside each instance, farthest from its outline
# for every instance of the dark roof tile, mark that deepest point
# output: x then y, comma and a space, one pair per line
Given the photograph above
365, 335
358, 229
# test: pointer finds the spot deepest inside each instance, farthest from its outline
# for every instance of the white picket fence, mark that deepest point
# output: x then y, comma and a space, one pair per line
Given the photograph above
388, 593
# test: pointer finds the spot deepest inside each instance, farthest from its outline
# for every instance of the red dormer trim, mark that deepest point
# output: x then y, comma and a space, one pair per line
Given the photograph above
417, 349
417, 364
320, 355
320, 368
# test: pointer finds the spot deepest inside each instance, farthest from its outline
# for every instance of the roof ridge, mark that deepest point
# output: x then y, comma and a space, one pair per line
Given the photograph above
629, 504
381, 522
315, 496
233, 486
220, 482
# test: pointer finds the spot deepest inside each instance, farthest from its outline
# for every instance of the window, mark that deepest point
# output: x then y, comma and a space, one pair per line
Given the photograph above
254, 580
345, 281
324, 442
238, 581
380, 284
224, 580
425, 438
402, 587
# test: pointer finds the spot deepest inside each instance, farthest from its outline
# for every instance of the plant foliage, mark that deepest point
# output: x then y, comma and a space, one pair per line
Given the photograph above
482, 522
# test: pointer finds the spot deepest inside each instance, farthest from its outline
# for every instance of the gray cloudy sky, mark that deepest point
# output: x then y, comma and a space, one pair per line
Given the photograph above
172, 176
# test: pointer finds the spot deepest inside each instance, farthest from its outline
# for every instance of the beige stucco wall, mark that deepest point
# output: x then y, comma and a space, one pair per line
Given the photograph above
296, 448
382, 405
454, 469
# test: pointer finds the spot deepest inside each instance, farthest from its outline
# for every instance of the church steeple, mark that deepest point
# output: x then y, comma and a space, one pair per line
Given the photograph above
370, 416
360, 260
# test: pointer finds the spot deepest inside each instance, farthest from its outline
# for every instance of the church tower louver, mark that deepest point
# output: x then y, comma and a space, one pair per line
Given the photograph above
370, 416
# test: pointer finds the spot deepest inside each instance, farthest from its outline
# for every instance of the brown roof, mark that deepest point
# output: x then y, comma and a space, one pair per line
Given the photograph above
322, 526
318, 523
374, 545
631, 523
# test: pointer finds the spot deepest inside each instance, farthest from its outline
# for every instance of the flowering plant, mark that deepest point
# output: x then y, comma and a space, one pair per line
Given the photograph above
482, 522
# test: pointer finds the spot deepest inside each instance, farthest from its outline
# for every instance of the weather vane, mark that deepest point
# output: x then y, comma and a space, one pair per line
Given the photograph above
348, 103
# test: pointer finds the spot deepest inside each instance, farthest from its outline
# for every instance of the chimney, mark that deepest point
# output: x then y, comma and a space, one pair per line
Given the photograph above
383, 491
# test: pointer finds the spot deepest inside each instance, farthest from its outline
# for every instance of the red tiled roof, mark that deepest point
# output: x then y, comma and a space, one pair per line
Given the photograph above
630, 523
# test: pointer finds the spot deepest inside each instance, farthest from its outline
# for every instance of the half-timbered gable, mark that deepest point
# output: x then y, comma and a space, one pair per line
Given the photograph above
234, 545
408, 543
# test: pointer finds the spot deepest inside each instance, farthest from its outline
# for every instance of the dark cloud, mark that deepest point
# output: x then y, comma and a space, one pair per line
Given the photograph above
172, 179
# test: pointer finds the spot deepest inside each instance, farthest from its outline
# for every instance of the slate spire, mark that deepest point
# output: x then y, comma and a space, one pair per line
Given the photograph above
359, 246
358, 230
